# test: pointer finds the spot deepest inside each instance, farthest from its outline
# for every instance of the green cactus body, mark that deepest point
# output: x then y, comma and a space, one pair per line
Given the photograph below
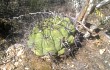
49, 39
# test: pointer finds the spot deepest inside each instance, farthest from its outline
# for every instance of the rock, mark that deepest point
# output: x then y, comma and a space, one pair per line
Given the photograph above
20, 57
102, 51
86, 35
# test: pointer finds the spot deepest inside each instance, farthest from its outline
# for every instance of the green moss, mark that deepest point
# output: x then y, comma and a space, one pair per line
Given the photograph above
50, 38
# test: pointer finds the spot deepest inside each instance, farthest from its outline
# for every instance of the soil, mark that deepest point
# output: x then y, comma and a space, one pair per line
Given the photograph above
95, 52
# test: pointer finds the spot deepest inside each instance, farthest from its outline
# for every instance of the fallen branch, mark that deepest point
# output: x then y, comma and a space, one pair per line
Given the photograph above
102, 3
88, 11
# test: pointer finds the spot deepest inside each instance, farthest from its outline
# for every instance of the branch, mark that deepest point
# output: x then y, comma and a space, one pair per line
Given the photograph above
102, 3
84, 14
20, 16
91, 6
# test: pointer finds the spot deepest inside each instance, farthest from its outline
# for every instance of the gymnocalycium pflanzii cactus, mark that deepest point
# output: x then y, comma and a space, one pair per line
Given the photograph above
51, 36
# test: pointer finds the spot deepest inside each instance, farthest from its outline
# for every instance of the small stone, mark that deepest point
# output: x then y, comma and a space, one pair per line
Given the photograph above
26, 68
92, 27
72, 65
105, 61
20, 60
16, 64
86, 35
102, 51
20, 53
108, 51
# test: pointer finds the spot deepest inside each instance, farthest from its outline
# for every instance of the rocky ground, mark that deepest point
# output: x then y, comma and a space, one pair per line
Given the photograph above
18, 57
94, 55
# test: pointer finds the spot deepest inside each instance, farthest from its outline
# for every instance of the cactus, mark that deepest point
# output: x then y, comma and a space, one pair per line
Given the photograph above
49, 36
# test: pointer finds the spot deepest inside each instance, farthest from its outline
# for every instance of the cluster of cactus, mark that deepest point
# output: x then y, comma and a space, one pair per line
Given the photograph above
50, 36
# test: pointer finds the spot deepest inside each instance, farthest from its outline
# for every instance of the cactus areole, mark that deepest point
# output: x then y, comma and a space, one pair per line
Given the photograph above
52, 36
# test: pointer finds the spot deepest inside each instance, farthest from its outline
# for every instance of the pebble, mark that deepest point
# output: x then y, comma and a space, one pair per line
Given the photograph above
86, 35
26, 68
16, 64
105, 61
102, 51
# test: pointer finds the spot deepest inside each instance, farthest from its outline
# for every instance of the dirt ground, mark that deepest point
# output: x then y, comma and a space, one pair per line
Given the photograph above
95, 53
